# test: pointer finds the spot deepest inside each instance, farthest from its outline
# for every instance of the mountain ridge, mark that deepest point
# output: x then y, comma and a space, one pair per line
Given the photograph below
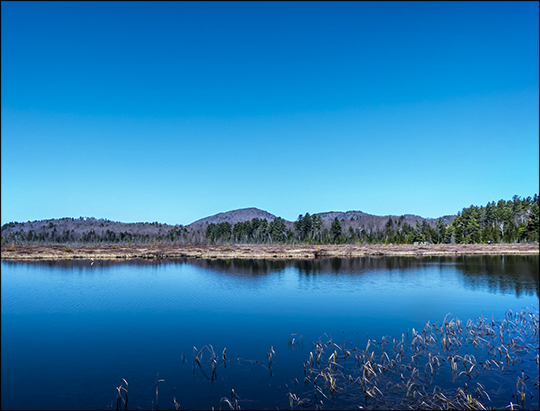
233, 217
514, 220
78, 226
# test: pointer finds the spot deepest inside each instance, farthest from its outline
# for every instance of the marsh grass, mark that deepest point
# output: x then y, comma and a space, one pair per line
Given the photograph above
298, 340
398, 375
119, 398
157, 391
213, 360
232, 402
270, 356
474, 365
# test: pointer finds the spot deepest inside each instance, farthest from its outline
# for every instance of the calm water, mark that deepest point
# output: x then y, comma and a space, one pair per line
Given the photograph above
71, 330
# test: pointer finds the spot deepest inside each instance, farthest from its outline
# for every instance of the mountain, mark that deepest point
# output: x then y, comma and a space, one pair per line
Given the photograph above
232, 217
357, 219
90, 229
85, 224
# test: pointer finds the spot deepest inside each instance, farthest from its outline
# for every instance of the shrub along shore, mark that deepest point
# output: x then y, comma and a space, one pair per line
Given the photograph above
157, 251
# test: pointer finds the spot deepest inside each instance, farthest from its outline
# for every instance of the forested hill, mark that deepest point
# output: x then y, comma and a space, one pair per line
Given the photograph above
514, 220
358, 219
233, 217
89, 229
85, 230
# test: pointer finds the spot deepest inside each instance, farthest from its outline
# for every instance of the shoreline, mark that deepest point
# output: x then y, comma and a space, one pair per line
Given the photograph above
272, 252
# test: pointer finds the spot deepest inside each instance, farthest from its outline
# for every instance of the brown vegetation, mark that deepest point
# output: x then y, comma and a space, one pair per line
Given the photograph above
102, 252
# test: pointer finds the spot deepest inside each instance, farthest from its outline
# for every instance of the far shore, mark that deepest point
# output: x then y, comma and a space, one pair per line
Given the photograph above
161, 251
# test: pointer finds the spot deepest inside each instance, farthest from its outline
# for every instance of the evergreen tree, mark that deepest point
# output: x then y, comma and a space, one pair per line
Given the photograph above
278, 230
335, 230
317, 226
307, 227
532, 225
441, 231
389, 228
298, 226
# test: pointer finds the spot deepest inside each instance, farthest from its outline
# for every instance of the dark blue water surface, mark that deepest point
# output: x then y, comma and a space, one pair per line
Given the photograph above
71, 330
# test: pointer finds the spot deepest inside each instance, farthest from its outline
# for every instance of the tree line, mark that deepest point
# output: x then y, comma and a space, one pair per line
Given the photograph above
513, 221
502, 222
177, 235
256, 231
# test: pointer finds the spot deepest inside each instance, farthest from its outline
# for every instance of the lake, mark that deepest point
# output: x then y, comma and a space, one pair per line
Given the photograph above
71, 330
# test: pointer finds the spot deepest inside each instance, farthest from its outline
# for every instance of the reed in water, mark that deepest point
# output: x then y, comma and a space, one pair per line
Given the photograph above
449, 365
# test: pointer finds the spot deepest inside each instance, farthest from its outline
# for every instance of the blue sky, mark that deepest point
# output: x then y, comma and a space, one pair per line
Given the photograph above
174, 111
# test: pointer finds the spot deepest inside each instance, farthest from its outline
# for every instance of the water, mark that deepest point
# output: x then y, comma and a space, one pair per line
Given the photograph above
71, 330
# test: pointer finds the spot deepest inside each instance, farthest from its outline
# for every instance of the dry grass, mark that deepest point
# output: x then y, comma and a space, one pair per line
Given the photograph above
450, 365
404, 374
156, 251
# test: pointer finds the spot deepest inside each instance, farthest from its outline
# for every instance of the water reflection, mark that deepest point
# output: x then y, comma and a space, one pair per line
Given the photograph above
501, 274
360, 265
89, 264
512, 274
518, 275
238, 266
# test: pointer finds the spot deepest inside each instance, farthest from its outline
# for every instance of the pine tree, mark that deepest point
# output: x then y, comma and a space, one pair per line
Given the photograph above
335, 230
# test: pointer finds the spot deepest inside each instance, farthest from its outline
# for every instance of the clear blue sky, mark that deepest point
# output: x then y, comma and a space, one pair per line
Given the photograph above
174, 111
